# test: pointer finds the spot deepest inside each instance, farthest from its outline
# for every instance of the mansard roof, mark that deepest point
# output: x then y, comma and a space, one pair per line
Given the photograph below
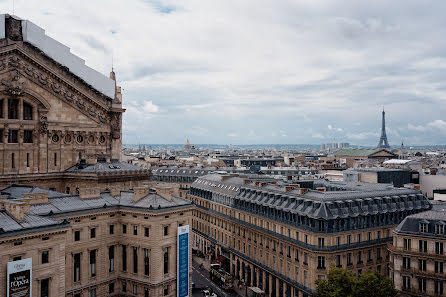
61, 54
360, 199
411, 224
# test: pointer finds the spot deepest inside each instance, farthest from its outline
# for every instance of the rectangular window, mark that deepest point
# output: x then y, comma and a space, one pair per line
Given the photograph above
45, 257
407, 244
135, 230
166, 260
111, 258
146, 292
438, 267
378, 234
124, 258
124, 228
77, 267
166, 290
77, 235
166, 230
44, 287
359, 237
438, 287
349, 259
135, 260
321, 262
111, 229
12, 160
93, 292
55, 159
439, 248
321, 242
146, 262
422, 264
369, 256
93, 233
93, 263
111, 288
338, 241
338, 261
378, 253
369, 236
1, 108
1, 135
124, 286
406, 262
27, 159
146, 231
423, 227
13, 109
28, 136
135, 289
13, 136
422, 284
406, 282
422, 246
359, 257
349, 239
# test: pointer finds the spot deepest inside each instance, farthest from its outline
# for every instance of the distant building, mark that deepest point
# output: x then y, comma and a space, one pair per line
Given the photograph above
187, 146
382, 175
347, 157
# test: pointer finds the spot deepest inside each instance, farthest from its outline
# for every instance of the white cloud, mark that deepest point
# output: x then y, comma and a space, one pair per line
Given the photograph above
212, 67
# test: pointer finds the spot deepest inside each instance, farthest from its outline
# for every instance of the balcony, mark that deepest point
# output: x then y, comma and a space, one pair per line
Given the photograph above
427, 273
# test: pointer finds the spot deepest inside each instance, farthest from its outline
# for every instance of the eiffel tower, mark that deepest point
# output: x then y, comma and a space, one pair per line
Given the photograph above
383, 143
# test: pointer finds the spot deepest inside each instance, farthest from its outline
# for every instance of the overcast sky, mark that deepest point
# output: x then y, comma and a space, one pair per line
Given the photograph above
254, 71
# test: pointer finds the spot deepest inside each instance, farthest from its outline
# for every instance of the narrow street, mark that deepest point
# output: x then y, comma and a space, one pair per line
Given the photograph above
201, 279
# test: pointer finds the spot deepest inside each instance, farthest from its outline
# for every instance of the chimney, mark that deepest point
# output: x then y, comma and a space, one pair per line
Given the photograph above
36, 198
140, 192
303, 190
165, 191
115, 191
88, 193
17, 209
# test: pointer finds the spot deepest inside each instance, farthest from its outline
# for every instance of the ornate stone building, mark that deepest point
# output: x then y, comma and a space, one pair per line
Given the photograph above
55, 112
282, 238
112, 243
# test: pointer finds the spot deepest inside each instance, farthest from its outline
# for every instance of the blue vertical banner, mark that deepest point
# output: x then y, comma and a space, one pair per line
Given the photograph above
183, 261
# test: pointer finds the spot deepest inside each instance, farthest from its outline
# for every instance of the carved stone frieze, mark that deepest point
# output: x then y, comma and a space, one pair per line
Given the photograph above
14, 87
43, 124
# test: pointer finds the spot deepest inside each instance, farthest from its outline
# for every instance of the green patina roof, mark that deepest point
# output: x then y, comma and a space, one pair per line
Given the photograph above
356, 152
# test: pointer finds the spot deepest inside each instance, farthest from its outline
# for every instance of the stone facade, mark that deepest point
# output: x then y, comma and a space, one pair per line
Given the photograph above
51, 119
418, 255
282, 240
124, 246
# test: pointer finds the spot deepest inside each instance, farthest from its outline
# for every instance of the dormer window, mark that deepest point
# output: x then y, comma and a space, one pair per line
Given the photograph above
439, 229
423, 227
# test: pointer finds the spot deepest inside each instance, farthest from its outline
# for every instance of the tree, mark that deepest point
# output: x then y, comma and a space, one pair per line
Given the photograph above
343, 283
374, 284
339, 283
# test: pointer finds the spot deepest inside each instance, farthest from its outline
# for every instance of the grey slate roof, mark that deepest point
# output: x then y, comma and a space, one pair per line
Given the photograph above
101, 167
411, 224
8, 223
64, 204
349, 199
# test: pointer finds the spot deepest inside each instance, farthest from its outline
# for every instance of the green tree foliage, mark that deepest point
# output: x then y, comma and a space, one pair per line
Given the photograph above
373, 284
343, 283
339, 283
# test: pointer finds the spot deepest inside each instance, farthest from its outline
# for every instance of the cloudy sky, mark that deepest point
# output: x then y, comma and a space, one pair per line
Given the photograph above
255, 71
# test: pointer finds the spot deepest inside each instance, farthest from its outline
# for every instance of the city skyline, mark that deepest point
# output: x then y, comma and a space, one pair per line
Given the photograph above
252, 74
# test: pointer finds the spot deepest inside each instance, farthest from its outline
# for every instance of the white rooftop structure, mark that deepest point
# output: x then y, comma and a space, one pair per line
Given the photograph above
60, 53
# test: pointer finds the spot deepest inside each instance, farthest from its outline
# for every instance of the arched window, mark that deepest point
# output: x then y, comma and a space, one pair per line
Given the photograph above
27, 111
